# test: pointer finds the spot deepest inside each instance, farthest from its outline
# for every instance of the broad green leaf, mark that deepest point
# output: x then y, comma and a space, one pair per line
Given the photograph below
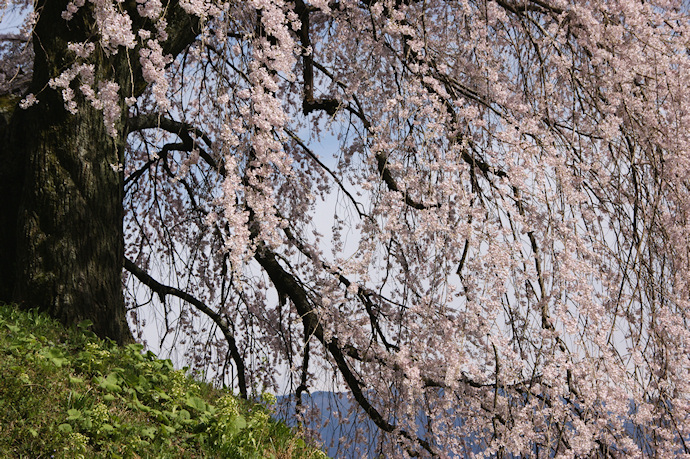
136, 404
110, 383
239, 422
55, 355
196, 403
136, 347
149, 432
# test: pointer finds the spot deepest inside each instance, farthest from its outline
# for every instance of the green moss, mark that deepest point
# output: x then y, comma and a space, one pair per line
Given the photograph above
66, 394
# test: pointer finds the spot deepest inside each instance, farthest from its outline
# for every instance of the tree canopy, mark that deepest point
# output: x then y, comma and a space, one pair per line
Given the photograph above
476, 210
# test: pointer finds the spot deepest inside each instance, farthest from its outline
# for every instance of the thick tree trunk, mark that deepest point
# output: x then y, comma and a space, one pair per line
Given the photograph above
69, 238
61, 236
64, 249
11, 171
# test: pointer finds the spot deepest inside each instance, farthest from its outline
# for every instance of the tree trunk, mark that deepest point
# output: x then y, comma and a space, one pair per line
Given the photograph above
69, 238
61, 214
63, 236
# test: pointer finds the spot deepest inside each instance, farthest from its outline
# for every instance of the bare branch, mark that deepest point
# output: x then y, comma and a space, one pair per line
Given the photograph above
223, 325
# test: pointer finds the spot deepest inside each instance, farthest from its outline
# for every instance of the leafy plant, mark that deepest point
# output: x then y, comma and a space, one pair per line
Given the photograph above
65, 393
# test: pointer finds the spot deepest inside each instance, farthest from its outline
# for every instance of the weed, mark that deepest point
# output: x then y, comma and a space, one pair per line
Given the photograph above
66, 394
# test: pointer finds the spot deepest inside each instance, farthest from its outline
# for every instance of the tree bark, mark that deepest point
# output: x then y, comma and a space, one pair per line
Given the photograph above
67, 204
61, 216
69, 236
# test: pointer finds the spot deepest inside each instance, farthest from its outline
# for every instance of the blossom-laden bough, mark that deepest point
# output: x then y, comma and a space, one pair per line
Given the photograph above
473, 210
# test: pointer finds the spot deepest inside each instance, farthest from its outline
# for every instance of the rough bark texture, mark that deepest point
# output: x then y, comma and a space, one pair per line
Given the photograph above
61, 236
11, 171
69, 241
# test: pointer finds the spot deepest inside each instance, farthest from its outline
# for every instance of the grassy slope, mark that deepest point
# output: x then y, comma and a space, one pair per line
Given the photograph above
64, 393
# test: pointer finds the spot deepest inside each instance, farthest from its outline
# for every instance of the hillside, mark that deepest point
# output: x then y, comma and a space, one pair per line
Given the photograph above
66, 394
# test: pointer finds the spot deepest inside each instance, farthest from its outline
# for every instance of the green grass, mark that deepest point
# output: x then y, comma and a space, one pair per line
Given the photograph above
66, 394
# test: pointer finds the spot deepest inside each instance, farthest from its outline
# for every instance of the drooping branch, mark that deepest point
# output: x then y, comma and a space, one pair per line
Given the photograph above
382, 158
366, 296
225, 328
183, 130
389, 180
287, 285
525, 6
357, 205
309, 102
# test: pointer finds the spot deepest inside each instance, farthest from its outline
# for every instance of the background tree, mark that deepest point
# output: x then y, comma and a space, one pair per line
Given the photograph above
500, 240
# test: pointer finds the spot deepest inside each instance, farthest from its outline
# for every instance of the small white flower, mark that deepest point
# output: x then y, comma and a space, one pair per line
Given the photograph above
28, 101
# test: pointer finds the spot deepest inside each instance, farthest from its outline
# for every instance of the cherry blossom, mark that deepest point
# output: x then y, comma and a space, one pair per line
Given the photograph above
471, 213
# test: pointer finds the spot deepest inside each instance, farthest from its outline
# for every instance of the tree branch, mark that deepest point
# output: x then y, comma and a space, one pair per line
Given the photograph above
287, 285
223, 325
183, 130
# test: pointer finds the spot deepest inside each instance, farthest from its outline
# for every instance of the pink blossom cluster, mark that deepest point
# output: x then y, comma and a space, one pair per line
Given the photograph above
473, 210
153, 64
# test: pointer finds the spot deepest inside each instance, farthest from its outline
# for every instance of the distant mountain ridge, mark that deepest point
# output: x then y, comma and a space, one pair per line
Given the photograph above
344, 437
